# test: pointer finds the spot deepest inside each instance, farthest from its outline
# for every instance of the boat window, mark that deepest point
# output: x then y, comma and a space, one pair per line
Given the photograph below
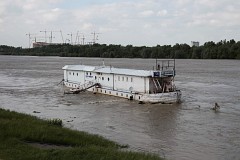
90, 73
87, 73
108, 78
105, 91
118, 78
95, 77
77, 74
109, 92
131, 79
121, 94
126, 95
127, 79
122, 78
117, 93
102, 78
69, 73
73, 73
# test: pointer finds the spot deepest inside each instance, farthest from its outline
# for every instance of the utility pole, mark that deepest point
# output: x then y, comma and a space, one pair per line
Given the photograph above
95, 36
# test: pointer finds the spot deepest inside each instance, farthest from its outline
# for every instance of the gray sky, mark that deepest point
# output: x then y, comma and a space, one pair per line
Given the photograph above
135, 22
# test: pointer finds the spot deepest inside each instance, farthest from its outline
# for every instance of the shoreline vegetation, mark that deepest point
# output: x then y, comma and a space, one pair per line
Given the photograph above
25, 137
209, 50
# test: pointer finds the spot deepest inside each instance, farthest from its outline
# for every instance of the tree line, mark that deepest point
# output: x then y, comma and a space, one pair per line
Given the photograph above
210, 50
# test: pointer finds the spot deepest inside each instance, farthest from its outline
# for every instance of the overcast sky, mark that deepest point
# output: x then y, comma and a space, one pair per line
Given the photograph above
135, 22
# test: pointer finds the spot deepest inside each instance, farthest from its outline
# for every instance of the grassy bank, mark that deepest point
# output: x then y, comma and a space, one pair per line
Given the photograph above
24, 137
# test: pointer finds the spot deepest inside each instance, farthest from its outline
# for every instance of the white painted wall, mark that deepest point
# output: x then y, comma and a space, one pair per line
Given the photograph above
106, 80
65, 75
111, 81
125, 82
88, 76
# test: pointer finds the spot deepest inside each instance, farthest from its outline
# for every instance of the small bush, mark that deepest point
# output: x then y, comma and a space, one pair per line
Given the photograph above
55, 121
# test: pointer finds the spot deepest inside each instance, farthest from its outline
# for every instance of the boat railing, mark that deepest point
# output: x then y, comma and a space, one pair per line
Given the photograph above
165, 65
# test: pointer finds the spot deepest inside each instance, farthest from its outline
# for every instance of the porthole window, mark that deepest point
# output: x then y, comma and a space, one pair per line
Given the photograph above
108, 79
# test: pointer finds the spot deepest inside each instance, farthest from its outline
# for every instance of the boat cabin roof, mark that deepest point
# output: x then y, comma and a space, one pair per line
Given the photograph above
109, 70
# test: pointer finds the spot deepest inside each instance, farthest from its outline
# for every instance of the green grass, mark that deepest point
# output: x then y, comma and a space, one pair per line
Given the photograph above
19, 134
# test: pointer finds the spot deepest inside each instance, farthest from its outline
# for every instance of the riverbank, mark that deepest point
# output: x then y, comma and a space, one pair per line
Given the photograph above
26, 137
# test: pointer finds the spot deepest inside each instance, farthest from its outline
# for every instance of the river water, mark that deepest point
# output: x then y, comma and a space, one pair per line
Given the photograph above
187, 131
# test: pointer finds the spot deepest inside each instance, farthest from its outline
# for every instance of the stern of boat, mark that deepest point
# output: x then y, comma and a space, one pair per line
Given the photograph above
166, 98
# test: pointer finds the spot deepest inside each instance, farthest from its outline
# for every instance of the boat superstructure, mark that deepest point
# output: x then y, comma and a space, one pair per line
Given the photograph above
153, 86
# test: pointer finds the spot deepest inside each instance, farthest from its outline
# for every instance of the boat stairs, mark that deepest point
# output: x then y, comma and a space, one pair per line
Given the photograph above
82, 87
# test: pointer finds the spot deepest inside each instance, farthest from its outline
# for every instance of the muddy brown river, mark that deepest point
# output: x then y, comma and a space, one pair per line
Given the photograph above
187, 131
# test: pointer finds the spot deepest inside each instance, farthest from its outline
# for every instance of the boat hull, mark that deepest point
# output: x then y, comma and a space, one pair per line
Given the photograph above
169, 97
164, 98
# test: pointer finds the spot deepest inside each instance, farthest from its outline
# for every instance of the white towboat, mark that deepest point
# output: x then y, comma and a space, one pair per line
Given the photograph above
151, 86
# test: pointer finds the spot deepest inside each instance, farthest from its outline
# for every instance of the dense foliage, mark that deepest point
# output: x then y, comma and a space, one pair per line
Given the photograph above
210, 50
